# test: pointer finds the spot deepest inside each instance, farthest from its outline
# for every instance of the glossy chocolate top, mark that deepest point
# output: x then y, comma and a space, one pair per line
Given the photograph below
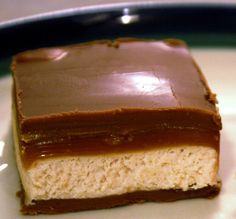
106, 76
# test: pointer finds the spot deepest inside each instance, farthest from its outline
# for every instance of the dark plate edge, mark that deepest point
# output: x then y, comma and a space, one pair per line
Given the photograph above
106, 8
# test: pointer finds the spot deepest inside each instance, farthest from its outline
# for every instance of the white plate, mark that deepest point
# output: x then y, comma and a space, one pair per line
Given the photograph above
219, 67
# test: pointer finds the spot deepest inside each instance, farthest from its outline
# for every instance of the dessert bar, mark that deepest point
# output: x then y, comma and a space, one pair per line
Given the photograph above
108, 123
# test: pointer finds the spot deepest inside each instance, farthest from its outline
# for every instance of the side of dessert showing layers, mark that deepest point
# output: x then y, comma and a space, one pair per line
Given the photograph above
109, 123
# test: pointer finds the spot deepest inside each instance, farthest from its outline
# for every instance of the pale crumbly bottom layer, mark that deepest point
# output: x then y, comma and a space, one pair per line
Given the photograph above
81, 177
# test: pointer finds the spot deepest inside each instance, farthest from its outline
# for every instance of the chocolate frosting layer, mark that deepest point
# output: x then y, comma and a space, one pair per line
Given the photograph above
104, 76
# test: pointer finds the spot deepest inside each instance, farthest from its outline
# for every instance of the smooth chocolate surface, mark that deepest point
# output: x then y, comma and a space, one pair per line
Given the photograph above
54, 206
111, 92
99, 77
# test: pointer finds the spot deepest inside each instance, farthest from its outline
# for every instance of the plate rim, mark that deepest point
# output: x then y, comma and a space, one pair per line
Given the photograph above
70, 12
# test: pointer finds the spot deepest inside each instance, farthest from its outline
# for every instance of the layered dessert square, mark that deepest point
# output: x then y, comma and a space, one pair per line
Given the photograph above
109, 123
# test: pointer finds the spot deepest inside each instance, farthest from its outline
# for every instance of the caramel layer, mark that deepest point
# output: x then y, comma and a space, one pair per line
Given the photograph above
117, 143
69, 205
